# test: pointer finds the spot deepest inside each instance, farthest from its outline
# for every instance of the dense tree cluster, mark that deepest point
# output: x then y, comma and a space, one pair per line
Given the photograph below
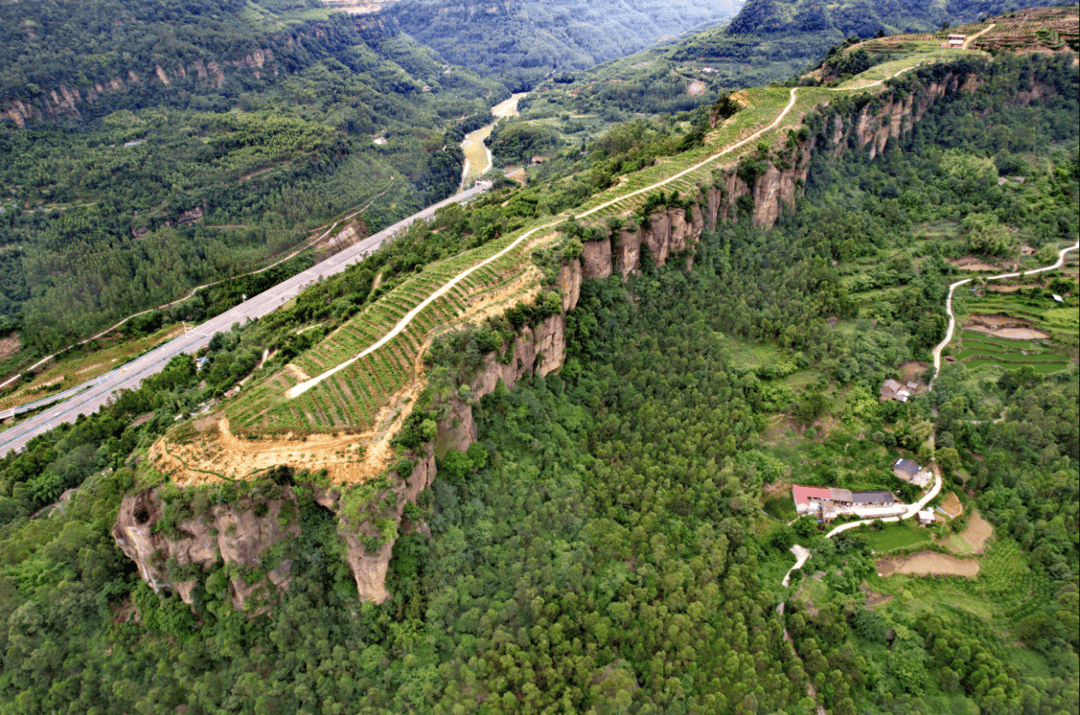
133, 198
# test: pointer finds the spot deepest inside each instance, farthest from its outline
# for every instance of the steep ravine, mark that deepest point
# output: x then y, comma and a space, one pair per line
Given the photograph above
368, 530
279, 53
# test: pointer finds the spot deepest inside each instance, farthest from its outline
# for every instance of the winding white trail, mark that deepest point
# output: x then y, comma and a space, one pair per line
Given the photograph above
915, 508
802, 554
952, 318
303, 387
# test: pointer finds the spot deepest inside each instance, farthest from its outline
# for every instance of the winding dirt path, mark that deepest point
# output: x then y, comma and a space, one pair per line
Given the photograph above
303, 387
952, 316
977, 35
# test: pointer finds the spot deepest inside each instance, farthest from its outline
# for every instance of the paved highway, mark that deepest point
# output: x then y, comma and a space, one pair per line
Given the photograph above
90, 396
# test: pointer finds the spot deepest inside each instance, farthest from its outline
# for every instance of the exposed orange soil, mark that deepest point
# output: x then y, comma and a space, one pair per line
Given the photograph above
350, 458
952, 506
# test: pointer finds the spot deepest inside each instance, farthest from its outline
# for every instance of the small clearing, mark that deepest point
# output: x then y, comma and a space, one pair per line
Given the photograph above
1009, 333
952, 506
977, 533
696, 87
972, 263
929, 563
9, 346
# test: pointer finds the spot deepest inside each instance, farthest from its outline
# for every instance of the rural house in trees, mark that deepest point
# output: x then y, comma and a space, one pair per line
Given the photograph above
831, 502
909, 471
893, 390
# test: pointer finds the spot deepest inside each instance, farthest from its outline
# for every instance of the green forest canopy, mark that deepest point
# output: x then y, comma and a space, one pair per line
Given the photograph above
603, 549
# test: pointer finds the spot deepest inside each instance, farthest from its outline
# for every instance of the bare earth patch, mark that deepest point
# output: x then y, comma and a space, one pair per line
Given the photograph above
977, 533
952, 506
929, 563
297, 373
9, 346
972, 263
696, 87
1010, 333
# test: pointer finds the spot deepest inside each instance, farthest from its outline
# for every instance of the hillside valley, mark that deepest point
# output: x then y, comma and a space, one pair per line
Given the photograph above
550, 450
522, 41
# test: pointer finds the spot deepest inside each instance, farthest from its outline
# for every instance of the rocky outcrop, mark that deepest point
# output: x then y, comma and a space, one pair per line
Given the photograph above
367, 549
237, 534
69, 99
596, 259
570, 277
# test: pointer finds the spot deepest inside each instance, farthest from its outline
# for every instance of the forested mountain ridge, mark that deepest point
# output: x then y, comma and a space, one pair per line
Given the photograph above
176, 148
520, 41
593, 538
60, 58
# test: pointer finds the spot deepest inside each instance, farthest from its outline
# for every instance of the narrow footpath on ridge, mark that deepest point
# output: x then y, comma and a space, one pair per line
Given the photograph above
303, 387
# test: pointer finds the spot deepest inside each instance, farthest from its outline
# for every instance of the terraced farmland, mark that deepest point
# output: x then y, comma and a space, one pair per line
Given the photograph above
978, 350
351, 398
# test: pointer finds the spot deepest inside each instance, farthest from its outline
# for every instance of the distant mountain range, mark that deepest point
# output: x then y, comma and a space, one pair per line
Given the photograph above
523, 40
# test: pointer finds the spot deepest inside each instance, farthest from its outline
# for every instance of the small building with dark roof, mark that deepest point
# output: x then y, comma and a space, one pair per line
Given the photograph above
880, 498
905, 468
841, 496
909, 471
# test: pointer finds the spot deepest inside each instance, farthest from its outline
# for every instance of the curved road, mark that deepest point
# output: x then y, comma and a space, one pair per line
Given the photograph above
915, 508
952, 318
90, 396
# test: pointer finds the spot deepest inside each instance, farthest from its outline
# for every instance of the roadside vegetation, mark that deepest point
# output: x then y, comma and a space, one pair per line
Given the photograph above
602, 545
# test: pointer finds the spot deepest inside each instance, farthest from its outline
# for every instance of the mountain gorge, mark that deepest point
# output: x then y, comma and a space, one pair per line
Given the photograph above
538, 453
521, 41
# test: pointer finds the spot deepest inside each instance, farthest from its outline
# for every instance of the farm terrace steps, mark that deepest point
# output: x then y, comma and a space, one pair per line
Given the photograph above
360, 394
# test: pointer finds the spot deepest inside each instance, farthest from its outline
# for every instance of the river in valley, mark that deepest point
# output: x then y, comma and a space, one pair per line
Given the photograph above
477, 156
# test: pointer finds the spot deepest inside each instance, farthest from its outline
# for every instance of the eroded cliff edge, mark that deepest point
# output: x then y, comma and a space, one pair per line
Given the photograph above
370, 517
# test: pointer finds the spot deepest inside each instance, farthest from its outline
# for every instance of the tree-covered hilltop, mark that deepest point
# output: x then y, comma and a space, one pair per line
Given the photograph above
191, 143
520, 41
780, 38
601, 548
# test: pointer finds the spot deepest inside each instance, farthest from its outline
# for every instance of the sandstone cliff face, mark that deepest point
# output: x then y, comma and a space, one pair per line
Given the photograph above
369, 567
232, 533
66, 101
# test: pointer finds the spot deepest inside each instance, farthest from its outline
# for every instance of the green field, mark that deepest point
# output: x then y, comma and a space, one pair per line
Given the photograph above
1032, 306
978, 350
896, 536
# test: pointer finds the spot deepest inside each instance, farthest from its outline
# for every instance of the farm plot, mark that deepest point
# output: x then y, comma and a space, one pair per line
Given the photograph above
1009, 330
979, 350
896, 536
352, 398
